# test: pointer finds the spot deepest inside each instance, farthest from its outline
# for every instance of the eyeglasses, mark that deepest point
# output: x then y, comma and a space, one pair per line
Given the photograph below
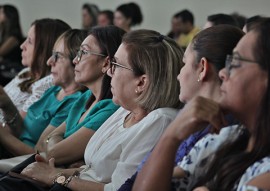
114, 64
56, 55
84, 52
233, 61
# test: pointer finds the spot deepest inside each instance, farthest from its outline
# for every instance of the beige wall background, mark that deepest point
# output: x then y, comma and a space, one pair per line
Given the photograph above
157, 13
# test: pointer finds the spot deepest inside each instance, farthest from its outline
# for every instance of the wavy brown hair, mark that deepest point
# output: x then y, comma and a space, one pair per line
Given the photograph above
46, 33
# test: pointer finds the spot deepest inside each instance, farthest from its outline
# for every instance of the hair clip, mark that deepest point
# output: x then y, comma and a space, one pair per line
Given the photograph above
161, 38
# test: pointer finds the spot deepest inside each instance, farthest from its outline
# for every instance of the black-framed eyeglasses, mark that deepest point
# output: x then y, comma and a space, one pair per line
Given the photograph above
56, 55
114, 65
233, 61
84, 52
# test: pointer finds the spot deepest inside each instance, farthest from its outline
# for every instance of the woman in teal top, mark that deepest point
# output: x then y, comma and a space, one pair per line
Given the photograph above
66, 144
47, 111
52, 109
95, 118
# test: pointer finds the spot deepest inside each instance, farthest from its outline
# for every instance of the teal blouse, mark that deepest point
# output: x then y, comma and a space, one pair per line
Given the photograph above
47, 110
94, 119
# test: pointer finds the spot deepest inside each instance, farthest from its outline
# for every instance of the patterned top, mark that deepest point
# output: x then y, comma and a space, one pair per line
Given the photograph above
23, 100
195, 161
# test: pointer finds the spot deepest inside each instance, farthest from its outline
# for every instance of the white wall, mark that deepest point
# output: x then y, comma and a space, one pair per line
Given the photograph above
157, 13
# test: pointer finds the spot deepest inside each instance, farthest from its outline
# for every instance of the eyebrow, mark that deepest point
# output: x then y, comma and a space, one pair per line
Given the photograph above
235, 53
85, 46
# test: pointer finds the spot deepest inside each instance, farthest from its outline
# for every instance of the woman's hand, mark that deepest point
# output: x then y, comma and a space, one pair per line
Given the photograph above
41, 171
195, 116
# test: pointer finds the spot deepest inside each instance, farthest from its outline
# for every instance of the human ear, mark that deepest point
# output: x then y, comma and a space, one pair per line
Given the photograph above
203, 69
105, 65
142, 83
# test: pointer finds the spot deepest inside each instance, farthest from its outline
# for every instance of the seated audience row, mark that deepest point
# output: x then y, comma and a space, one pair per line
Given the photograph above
237, 158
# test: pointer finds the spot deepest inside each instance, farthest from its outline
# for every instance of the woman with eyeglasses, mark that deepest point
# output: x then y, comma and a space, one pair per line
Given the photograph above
53, 107
67, 142
30, 84
146, 63
238, 157
203, 59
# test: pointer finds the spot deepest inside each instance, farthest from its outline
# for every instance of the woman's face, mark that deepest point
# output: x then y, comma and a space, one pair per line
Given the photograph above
103, 20
121, 21
61, 65
28, 47
86, 19
243, 82
123, 84
188, 77
88, 69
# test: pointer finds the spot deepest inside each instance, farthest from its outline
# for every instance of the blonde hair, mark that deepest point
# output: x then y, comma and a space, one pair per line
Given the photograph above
160, 58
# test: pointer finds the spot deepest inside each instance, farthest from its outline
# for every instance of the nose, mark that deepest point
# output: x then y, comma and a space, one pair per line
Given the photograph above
75, 60
50, 61
109, 72
23, 45
223, 74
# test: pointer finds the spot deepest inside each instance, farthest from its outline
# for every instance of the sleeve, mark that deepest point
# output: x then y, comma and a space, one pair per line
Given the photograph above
99, 118
137, 146
38, 89
258, 168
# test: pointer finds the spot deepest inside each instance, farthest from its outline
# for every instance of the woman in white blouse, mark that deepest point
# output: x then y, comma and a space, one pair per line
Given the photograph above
30, 84
144, 84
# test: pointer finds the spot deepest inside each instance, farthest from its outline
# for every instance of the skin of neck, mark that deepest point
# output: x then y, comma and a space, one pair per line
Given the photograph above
95, 86
211, 89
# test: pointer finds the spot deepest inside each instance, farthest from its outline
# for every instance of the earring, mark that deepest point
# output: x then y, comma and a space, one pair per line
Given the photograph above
136, 91
199, 78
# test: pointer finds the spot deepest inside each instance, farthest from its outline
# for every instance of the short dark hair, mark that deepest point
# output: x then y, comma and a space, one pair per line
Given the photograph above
252, 21
109, 15
132, 11
221, 18
186, 16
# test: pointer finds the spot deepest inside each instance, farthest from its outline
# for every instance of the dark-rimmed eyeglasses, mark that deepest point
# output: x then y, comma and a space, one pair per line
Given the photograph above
114, 65
56, 55
84, 52
233, 61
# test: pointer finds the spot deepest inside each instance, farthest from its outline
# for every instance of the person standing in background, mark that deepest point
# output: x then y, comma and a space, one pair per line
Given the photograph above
10, 39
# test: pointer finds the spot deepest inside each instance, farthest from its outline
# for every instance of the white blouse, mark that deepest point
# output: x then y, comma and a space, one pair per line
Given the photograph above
114, 152
23, 100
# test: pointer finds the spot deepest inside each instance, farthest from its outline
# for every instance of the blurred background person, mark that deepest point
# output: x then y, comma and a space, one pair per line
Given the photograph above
187, 28
127, 15
105, 18
89, 15
10, 39
175, 27
241, 19
220, 18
